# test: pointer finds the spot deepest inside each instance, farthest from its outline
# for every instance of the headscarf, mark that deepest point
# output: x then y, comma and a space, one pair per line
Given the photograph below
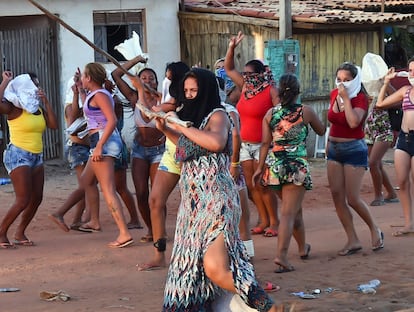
207, 98
255, 83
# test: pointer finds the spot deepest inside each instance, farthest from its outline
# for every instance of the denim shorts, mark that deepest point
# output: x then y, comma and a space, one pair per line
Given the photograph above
405, 142
112, 146
152, 154
77, 154
14, 157
249, 151
122, 162
354, 153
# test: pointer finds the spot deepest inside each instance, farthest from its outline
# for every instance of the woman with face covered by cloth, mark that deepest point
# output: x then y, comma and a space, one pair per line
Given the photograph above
347, 155
208, 255
28, 114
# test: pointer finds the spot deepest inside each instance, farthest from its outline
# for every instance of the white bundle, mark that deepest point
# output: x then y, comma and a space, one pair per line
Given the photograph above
130, 48
373, 70
22, 93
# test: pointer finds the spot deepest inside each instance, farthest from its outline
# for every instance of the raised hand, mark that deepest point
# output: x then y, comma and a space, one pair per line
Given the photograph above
235, 40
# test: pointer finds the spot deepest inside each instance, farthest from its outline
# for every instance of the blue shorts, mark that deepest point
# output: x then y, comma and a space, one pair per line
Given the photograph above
122, 162
249, 151
77, 154
405, 142
354, 153
152, 154
112, 146
14, 157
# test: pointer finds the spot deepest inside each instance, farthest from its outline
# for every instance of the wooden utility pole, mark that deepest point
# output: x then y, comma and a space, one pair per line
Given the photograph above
285, 19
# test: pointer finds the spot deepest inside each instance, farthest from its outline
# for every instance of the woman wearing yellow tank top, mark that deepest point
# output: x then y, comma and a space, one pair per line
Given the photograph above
23, 157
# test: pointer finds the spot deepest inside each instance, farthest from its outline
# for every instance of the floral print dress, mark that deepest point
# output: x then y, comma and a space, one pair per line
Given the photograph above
287, 160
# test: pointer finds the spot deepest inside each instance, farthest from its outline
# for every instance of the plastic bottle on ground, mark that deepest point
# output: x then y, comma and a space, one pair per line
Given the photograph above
4, 181
370, 287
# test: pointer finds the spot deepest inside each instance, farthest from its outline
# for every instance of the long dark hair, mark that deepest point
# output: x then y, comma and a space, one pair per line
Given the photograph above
178, 70
289, 89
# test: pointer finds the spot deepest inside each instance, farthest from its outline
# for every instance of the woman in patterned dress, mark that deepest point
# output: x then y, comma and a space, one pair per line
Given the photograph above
285, 127
379, 137
208, 255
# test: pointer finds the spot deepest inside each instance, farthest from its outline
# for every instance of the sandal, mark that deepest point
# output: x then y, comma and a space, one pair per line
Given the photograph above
146, 239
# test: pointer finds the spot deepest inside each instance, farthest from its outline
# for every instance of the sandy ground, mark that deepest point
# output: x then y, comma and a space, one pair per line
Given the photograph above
102, 279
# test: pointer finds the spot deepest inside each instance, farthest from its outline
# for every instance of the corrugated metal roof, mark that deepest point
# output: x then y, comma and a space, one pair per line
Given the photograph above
308, 11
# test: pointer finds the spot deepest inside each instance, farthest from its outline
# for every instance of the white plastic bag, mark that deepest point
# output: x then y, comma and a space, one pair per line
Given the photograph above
373, 69
130, 48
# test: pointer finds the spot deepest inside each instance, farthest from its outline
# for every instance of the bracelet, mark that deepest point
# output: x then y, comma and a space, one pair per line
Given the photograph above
235, 164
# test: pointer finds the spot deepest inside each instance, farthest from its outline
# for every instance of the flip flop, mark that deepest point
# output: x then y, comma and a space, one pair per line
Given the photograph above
270, 287
132, 226
380, 242
257, 230
147, 267
270, 233
86, 228
391, 200
7, 245
307, 251
76, 226
285, 269
24, 242
117, 244
348, 252
146, 239
59, 221
377, 202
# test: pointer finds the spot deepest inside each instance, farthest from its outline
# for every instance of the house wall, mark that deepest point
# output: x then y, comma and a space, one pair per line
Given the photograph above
160, 26
162, 37
204, 38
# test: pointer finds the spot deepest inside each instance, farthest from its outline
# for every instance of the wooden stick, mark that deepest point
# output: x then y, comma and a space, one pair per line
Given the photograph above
114, 61
76, 33
151, 114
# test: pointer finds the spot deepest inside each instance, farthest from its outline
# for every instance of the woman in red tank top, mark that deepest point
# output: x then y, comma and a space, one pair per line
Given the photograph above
257, 97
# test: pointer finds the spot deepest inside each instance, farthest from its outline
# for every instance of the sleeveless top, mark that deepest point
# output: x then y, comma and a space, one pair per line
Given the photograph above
26, 131
251, 113
94, 116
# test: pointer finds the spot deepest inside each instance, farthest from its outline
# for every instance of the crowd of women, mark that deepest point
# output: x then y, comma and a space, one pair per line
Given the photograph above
220, 156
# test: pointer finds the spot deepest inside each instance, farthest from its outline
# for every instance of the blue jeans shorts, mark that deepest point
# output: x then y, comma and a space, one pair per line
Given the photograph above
353, 153
249, 151
77, 154
112, 146
121, 163
14, 157
405, 142
152, 154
